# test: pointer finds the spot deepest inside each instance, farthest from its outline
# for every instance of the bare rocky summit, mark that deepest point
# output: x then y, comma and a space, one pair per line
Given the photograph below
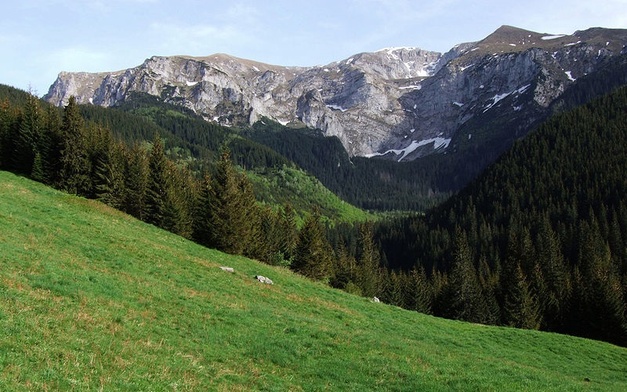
399, 102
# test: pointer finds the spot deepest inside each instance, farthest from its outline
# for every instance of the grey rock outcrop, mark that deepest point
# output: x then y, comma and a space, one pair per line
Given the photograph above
399, 102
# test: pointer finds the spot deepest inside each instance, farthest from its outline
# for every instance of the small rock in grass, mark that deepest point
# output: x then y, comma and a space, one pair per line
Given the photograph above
263, 279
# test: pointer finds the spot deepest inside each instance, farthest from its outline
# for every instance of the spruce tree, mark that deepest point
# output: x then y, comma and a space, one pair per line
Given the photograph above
27, 141
159, 184
555, 298
232, 210
51, 146
288, 233
602, 302
421, 291
312, 257
368, 261
135, 182
109, 178
74, 160
521, 308
179, 200
464, 295
202, 220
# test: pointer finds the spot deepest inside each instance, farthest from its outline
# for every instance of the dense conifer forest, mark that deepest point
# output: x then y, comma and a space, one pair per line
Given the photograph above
537, 241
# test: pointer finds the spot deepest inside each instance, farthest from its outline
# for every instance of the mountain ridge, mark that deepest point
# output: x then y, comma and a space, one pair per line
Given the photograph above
400, 103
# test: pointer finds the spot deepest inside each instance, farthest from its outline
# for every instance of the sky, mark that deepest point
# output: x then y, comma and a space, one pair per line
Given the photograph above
40, 38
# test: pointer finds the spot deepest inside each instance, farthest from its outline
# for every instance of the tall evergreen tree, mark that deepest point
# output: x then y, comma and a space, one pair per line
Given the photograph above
179, 201
521, 308
159, 184
555, 298
109, 175
312, 257
52, 145
27, 142
288, 232
465, 298
74, 160
202, 221
601, 307
231, 213
135, 182
368, 261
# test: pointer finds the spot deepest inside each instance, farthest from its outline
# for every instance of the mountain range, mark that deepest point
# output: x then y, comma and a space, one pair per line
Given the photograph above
399, 103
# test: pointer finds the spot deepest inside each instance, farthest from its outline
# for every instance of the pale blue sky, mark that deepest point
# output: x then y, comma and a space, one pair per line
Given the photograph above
40, 38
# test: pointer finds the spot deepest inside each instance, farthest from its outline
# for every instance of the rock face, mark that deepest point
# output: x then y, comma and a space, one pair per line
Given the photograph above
399, 102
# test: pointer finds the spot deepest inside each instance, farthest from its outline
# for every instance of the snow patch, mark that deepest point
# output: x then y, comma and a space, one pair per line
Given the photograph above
458, 104
393, 49
190, 84
438, 142
411, 87
495, 99
570, 76
337, 107
255, 69
550, 37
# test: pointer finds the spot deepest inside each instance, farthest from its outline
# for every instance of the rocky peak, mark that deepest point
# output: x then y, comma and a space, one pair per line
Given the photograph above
399, 102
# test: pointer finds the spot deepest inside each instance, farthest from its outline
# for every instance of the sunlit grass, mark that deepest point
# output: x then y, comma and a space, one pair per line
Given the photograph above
92, 299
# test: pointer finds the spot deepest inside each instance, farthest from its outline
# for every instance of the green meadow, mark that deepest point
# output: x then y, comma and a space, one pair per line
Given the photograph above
92, 299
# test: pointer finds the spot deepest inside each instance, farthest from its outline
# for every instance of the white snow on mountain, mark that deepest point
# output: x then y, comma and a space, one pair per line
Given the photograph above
550, 37
337, 107
438, 142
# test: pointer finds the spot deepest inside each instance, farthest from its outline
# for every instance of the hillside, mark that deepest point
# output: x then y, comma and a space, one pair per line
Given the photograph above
91, 298
538, 240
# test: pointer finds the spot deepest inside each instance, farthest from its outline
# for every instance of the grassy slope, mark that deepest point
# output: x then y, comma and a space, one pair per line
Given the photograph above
303, 191
91, 298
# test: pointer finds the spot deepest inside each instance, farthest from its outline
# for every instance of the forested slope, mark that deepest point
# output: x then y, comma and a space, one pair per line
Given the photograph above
539, 240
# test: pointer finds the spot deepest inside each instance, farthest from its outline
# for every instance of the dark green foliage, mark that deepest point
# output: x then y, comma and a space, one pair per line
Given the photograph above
368, 261
135, 182
419, 291
600, 300
169, 193
464, 298
109, 177
313, 254
27, 141
521, 305
75, 164
230, 209
545, 226
159, 184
